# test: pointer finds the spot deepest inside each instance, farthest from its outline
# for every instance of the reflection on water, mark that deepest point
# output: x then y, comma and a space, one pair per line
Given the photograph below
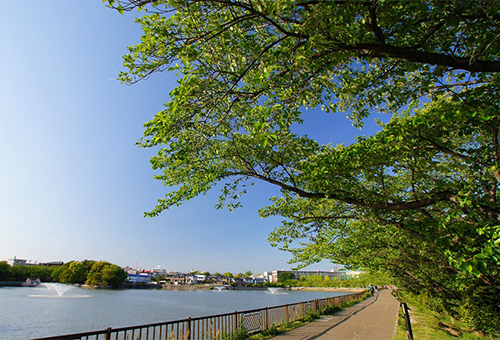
23, 316
60, 296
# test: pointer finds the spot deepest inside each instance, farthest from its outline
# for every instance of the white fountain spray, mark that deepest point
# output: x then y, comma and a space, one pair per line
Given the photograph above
273, 290
59, 288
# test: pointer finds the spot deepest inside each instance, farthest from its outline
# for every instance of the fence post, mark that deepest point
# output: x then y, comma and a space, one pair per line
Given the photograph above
235, 321
266, 320
287, 317
188, 331
407, 320
107, 335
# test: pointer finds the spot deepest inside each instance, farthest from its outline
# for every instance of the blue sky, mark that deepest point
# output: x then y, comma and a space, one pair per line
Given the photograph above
74, 186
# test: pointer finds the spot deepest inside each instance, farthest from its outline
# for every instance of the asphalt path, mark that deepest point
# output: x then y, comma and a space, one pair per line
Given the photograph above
372, 319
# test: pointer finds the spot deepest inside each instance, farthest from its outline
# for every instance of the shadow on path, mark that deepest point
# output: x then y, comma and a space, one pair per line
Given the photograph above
372, 319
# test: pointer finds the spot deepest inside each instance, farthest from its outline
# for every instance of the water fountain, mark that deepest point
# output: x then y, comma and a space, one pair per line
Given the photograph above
220, 288
60, 289
273, 290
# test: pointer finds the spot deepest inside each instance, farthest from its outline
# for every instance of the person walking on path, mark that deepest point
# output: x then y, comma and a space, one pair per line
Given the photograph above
372, 319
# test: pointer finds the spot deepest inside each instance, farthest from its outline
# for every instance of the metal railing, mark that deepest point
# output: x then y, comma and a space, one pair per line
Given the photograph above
406, 315
213, 327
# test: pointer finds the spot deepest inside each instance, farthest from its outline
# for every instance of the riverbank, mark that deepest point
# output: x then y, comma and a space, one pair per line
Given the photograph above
12, 283
330, 289
213, 286
209, 287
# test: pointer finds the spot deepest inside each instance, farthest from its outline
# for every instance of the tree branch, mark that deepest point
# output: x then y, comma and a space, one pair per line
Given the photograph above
346, 198
413, 55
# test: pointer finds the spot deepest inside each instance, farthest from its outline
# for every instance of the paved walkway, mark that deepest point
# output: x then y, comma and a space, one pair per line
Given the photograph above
373, 319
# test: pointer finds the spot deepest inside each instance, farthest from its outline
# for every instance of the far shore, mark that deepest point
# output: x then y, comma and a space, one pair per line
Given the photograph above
208, 287
200, 287
332, 289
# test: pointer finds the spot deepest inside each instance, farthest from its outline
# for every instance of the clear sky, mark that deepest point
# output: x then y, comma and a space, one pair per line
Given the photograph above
74, 186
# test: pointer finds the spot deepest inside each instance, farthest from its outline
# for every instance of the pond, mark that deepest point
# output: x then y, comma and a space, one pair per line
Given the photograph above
40, 311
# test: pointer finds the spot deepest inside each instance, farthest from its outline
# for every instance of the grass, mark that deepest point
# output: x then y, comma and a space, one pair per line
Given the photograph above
430, 325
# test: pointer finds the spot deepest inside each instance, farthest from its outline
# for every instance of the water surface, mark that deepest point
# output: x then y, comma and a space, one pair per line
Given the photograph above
37, 312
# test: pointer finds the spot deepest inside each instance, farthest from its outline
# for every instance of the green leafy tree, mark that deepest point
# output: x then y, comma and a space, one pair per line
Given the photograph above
21, 273
5, 273
418, 199
107, 274
285, 276
113, 275
91, 273
228, 274
73, 272
44, 273
365, 279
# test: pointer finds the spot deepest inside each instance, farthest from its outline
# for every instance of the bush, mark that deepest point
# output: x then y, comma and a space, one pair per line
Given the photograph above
311, 316
240, 334
481, 309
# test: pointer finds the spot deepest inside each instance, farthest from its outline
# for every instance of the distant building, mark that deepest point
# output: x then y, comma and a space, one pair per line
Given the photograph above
238, 281
176, 278
353, 274
130, 270
17, 262
138, 278
259, 280
21, 262
51, 263
252, 280
219, 279
158, 271
200, 277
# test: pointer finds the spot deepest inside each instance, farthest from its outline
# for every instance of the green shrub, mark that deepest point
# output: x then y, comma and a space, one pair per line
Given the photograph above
481, 309
273, 330
239, 334
311, 316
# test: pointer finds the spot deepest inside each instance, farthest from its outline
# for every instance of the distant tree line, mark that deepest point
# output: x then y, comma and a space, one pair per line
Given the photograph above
21, 273
226, 274
363, 280
81, 272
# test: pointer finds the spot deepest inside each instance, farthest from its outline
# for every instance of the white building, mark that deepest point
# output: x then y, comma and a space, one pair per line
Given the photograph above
158, 271
17, 262
254, 279
138, 278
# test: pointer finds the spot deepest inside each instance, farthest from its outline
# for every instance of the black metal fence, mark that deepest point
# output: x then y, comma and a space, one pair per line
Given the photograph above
406, 315
213, 327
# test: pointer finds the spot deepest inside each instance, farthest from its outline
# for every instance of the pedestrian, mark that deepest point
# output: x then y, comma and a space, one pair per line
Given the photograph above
372, 289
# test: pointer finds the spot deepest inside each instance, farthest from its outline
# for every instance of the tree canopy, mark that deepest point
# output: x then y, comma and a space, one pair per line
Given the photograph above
21, 273
91, 273
418, 199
